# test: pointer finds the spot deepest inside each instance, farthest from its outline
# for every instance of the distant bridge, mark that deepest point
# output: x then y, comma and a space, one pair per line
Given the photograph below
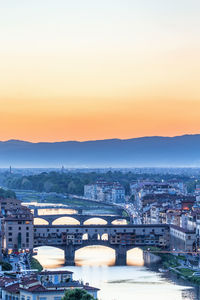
81, 218
35, 208
121, 238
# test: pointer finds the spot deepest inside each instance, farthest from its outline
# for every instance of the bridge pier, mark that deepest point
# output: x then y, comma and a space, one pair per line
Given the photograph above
70, 255
121, 253
81, 221
35, 212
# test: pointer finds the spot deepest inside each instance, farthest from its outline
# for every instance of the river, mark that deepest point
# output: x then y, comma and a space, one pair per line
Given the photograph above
132, 282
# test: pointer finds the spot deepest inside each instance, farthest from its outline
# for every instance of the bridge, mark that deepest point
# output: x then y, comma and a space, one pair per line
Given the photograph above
82, 218
121, 238
36, 208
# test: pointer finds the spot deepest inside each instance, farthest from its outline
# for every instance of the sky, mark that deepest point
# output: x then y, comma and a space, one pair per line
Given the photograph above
87, 70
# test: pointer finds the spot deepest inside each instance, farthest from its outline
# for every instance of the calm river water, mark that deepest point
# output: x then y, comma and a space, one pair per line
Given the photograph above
132, 282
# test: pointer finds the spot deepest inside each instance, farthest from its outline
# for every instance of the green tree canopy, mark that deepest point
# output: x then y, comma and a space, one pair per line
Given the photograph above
77, 294
6, 194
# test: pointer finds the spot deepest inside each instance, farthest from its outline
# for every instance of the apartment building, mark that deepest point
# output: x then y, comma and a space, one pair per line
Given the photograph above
18, 230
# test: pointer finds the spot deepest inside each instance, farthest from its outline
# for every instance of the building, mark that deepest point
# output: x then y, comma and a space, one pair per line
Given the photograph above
9, 204
182, 240
18, 230
110, 192
46, 285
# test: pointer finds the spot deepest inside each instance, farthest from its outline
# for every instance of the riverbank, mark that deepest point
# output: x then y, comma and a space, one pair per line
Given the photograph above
35, 264
176, 264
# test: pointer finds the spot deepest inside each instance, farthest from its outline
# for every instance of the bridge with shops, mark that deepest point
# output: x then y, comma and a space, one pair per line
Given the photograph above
121, 238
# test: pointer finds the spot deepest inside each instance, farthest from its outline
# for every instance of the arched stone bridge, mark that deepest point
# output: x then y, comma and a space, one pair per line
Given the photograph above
82, 218
120, 238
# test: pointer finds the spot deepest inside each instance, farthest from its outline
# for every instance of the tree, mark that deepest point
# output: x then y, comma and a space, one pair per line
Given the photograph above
77, 294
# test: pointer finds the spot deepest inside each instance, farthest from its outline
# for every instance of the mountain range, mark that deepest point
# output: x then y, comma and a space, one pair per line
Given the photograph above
155, 151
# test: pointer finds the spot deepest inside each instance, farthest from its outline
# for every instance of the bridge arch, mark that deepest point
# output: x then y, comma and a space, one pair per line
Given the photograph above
119, 222
95, 255
104, 237
66, 221
50, 256
95, 221
85, 236
40, 221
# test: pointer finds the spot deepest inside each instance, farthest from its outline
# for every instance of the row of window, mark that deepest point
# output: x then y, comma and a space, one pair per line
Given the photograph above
28, 298
19, 228
10, 240
105, 230
10, 234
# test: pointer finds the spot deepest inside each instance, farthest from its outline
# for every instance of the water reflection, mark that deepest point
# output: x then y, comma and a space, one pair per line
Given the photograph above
50, 257
88, 256
72, 221
119, 283
95, 256
95, 221
66, 221
56, 211
119, 222
40, 221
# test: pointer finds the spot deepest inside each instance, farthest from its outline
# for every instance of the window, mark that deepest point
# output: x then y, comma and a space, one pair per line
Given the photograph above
9, 228
19, 222
42, 298
57, 298
20, 228
10, 239
27, 228
27, 240
10, 233
27, 234
22, 297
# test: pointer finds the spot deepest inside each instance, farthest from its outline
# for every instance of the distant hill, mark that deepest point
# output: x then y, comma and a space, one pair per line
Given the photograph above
143, 152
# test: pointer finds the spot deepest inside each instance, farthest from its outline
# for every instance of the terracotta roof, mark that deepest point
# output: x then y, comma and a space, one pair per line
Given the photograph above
35, 289
12, 288
5, 280
89, 288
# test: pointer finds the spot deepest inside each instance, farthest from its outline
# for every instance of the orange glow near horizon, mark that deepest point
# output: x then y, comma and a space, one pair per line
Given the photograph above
122, 120
103, 70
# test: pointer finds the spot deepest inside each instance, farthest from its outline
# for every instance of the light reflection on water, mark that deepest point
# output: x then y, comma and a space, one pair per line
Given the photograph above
56, 211
94, 264
72, 221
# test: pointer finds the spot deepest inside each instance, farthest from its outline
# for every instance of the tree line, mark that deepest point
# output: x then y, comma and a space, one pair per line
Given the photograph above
73, 182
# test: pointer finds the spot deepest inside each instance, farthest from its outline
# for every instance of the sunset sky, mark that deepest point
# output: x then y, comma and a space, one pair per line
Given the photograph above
89, 69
